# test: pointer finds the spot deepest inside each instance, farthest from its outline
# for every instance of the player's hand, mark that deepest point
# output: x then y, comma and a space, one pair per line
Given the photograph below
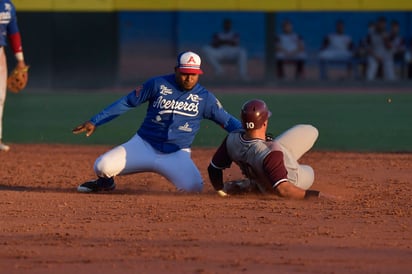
87, 127
21, 64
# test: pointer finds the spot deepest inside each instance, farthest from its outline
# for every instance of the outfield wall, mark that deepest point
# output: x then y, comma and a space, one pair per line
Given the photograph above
102, 43
213, 5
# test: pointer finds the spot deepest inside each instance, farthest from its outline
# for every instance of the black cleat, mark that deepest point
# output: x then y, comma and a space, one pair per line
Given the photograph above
100, 184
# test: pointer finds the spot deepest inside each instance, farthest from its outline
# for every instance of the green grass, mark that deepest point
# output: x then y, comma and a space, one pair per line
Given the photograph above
350, 122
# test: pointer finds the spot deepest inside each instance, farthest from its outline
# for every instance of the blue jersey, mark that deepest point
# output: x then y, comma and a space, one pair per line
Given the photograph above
8, 21
173, 115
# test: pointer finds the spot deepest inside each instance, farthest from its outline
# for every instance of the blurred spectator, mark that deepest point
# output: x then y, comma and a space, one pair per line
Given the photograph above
225, 47
398, 45
397, 42
361, 53
408, 60
290, 48
380, 52
337, 48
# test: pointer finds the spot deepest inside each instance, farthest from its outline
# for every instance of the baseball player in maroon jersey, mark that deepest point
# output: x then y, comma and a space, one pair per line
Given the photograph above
270, 166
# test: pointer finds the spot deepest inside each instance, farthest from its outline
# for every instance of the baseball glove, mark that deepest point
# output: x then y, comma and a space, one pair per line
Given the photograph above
17, 79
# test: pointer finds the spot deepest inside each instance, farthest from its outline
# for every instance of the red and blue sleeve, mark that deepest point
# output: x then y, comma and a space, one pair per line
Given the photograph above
13, 34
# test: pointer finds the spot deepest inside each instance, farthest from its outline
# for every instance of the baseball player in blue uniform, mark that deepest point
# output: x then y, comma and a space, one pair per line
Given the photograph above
8, 29
270, 166
176, 105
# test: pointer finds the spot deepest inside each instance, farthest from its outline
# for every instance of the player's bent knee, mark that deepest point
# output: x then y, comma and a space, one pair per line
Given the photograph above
314, 131
103, 167
310, 131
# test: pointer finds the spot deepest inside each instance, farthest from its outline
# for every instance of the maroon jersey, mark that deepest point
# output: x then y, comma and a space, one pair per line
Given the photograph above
259, 160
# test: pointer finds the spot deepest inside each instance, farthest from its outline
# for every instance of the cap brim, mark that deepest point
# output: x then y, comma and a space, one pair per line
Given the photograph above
190, 71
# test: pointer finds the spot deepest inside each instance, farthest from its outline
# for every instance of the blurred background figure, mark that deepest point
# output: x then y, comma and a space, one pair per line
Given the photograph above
225, 47
408, 60
290, 48
380, 52
337, 48
361, 53
398, 46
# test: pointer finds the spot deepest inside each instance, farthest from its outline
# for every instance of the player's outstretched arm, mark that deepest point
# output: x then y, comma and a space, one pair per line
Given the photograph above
232, 124
289, 190
216, 178
87, 127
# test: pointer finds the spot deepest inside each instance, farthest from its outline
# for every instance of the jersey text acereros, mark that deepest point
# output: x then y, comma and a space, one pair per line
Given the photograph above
173, 115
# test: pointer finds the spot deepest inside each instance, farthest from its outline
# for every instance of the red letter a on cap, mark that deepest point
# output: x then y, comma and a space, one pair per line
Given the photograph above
191, 60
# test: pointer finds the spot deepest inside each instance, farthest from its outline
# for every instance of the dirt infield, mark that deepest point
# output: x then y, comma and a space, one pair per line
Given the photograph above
145, 226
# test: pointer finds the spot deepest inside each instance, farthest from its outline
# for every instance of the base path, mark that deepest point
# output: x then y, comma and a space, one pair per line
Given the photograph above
145, 226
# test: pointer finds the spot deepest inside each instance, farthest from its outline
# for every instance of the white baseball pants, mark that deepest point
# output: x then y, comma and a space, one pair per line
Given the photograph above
136, 155
294, 143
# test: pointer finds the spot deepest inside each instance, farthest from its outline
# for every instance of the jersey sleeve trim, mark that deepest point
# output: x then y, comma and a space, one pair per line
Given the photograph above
275, 185
215, 166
